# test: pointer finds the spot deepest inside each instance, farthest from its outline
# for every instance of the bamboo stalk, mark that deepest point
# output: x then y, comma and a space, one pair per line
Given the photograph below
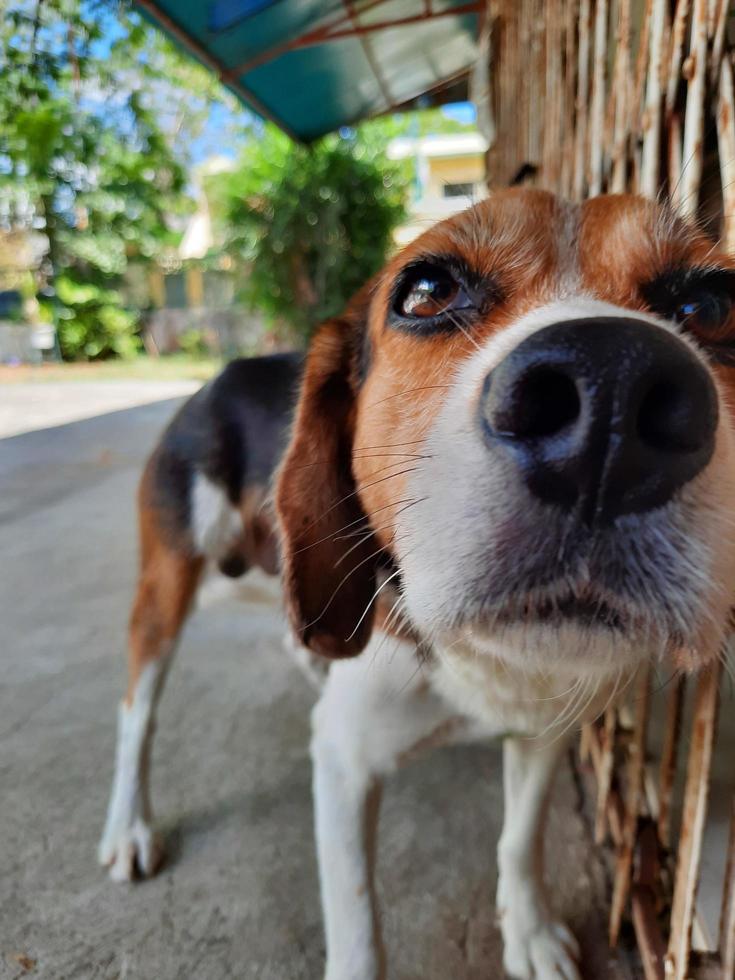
726, 140
558, 95
692, 823
548, 153
678, 33
643, 901
597, 112
570, 59
727, 920
605, 775
718, 42
641, 65
669, 757
694, 123
611, 48
583, 77
712, 9
636, 767
538, 110
675, 159
637, 105
622, 101
650, 163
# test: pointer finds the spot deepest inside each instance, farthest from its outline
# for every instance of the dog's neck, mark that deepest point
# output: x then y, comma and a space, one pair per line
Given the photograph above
514, 698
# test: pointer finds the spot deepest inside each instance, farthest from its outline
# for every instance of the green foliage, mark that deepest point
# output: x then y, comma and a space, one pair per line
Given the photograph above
97, 116
425, 122
92, 321
193, 343
312, 224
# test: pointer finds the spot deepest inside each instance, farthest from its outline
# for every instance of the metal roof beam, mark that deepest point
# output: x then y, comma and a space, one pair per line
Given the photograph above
333, 32
385, 25
209, 61
370, 55
284, 46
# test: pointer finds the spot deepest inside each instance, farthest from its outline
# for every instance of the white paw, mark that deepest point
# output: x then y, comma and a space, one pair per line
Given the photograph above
547, 952
131, 851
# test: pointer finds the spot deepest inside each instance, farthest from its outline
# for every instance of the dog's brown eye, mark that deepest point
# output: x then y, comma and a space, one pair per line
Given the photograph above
702, 301
706, 314
429, 292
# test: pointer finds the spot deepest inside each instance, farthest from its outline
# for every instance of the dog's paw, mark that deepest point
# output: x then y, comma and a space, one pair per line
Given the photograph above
131, 851
547, 952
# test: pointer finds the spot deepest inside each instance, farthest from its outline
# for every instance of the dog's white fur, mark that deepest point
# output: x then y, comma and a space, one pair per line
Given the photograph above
215, 522
377, 711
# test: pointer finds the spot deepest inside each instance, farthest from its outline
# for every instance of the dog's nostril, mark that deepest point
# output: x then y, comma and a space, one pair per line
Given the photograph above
667, 418
544, 402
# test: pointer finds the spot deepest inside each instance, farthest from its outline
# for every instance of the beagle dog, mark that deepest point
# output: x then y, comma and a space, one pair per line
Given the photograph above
526, 424
520, 430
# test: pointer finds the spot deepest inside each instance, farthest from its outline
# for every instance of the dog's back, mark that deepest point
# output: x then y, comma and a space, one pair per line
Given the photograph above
206, 484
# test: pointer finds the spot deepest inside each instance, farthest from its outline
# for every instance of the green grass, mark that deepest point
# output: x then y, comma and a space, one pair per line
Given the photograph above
172, 367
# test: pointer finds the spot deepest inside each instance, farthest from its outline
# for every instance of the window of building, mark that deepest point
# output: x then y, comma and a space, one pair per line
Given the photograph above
458, 190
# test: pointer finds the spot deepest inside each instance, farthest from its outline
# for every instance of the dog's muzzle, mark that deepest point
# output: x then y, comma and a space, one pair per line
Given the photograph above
603, 416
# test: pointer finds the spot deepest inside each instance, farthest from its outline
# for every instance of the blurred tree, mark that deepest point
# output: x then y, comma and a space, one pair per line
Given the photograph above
101, 118
98, 113
311, 223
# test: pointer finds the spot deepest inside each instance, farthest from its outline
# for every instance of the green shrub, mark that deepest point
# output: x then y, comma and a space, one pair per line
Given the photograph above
93, 323
310, 224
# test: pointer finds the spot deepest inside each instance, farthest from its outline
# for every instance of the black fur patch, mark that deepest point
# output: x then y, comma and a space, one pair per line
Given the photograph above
233, 431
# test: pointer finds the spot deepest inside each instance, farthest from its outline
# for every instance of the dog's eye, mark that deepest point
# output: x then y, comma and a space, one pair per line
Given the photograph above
705, 314
703, 302
430, 291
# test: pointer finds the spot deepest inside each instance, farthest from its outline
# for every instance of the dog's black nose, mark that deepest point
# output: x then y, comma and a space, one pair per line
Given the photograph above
609, 415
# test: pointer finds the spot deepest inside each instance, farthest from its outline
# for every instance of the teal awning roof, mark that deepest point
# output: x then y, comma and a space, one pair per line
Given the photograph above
312, 66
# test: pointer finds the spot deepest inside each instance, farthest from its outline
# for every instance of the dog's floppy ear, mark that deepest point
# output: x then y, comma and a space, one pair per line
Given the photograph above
328, 554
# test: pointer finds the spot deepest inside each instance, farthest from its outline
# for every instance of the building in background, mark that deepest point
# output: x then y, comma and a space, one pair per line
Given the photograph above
449, 176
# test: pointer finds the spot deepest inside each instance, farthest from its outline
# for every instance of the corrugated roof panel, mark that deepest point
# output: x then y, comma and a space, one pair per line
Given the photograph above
275, 56
335, 86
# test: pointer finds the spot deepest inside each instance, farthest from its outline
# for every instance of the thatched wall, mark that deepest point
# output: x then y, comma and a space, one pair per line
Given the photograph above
637, 95
613, 95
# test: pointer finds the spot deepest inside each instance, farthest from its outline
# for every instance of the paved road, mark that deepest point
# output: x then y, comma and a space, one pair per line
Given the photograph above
238, 896
39, 405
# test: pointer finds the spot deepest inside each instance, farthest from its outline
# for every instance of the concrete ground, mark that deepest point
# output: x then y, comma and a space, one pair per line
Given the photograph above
238, 896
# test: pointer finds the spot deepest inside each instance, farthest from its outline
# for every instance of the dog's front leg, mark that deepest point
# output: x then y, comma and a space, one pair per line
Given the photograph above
373, 711
537, 947
346, 812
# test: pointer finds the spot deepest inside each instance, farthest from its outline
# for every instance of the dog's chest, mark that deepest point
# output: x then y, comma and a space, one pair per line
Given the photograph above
503, 700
